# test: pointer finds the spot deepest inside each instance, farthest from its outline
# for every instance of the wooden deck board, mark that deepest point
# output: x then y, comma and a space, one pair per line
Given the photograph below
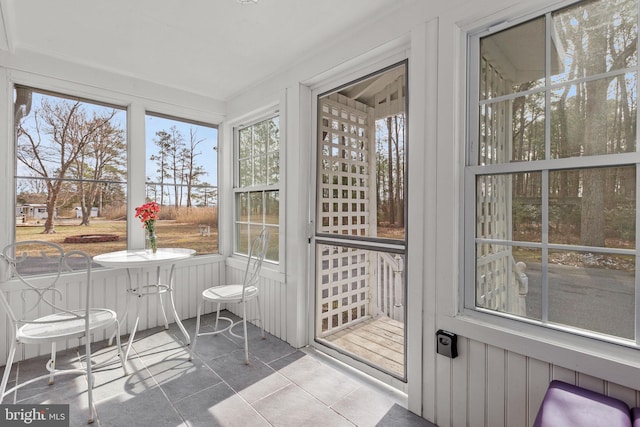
378, 341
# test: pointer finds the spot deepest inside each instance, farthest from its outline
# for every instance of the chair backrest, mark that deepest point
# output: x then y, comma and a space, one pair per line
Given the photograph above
30, 270
257, 252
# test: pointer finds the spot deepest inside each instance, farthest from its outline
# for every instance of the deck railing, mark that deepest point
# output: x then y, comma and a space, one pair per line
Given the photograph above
389, 286
359, 286
502, 284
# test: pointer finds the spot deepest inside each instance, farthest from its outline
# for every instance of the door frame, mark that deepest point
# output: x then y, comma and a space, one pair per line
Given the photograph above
317, 90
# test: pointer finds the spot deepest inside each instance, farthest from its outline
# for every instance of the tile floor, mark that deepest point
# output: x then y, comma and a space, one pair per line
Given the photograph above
282, 386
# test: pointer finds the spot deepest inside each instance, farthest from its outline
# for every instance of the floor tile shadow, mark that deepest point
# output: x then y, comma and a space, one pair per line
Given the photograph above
281, 386
219, 405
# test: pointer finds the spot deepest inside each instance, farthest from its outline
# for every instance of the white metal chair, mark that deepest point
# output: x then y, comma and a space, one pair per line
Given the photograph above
31, 274
237, 293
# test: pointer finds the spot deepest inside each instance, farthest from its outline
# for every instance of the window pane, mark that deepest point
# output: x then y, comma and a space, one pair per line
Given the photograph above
527, 278
274, 135
592, 291
70, 186
584, 128
591, 86
260, 138
242, 207
242, 238
256, 207
245, 143
509, 207
245, 173
502, 279
596, 37
273, 248
512, 130
272, 207
513, 60
181, 170
593, 207
260, 169
527, 207
274, 168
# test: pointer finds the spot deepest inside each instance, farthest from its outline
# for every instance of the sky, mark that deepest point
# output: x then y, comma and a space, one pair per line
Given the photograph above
208, 157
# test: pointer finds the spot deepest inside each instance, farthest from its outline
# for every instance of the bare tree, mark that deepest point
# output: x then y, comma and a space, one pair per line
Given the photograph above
390, 173
163, 142
192, 171
102, 158
170, 163
60, 134
599, 47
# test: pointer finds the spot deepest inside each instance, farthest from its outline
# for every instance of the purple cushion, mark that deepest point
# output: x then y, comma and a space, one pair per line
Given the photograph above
635, 417
567, 405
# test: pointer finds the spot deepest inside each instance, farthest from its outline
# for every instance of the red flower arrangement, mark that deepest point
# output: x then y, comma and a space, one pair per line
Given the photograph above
148, 214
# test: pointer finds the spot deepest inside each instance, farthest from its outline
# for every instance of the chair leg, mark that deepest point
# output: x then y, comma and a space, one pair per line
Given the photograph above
244, 325
215, 328
52, 363
195, 337
7, 370
87, 354
260, 315
123, 361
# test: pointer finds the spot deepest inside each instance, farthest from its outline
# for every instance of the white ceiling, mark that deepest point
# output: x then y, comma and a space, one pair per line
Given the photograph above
212, 47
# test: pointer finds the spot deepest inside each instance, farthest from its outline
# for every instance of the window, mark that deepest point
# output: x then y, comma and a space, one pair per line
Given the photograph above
71, 178
257, 191
182, 177
552, 167
70, 173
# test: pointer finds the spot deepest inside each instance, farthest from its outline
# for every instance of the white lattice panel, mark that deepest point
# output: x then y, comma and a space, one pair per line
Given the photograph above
343, 287
344, 281
344, 167
496, 288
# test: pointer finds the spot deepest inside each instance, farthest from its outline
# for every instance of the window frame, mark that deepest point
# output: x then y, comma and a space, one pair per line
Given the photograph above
72, 96
185, 121
135, 106
468, 311
262, 189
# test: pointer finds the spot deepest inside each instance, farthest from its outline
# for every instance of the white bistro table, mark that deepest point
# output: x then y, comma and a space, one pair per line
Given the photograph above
141, 259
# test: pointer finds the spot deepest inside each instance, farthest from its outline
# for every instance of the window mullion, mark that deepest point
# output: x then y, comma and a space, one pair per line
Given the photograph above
545, 248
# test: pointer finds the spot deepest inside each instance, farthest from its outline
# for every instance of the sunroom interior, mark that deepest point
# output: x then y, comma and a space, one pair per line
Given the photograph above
425, 169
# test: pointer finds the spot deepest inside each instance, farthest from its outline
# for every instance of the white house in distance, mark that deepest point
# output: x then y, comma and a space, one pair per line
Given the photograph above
78, 211
32, 210
520, 165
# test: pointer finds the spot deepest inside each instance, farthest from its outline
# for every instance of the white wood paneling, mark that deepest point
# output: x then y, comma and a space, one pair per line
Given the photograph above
460, 387
487, 386
538, 374
516, 376
444, 391
477, 362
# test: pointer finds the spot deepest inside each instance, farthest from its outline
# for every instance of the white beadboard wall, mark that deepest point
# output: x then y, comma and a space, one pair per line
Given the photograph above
192, 277
487, 386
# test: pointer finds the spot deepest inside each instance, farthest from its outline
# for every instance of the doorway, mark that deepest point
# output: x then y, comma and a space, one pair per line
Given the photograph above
360, 235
